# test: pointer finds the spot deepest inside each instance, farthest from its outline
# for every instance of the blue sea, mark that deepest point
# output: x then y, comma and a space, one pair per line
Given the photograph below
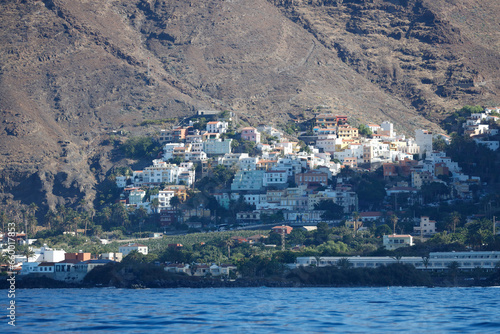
256, 310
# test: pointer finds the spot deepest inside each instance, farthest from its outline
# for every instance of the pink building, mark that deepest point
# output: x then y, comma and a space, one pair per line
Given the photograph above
251, 134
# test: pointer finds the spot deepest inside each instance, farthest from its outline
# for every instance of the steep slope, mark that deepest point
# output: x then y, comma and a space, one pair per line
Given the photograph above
437, 55
72, 71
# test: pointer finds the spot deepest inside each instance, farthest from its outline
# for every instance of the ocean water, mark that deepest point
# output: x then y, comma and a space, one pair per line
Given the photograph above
256, 310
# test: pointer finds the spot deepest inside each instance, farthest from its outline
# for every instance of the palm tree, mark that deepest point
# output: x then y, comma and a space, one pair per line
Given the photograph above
24, 214
426, 261
175, 201
28, 252
394, 220
344, 263
33, 208
229, 244
32, 221
155, 203
397, 258
4, 258
455, 219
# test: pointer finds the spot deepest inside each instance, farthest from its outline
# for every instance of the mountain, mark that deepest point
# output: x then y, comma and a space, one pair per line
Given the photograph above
73, 71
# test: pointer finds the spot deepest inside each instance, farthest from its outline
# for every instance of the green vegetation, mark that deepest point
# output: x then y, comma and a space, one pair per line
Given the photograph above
244, 146
201, 123
474, 159
453, 123
332, 210
141, 148
291, 128
365, 131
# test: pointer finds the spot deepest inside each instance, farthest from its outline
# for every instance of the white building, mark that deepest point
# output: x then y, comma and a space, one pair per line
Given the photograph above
254, 199
426, 226
491, 144
291, 164
346, 199
287, 147
394, 241
230, 160
164, 197
388, 129
270, 131
423, 139
328, 142
136, 196
121, 181
126, 249
264, 148
248, 180
248, 163
46, 254
217, 127
275, 178
217, 146
168, 150
437, 261
162, 172
355, 151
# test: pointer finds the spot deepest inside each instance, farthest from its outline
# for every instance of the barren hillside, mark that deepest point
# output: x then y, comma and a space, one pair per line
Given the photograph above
72, 71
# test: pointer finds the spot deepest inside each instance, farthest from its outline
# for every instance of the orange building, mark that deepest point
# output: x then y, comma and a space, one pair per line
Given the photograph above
280, 229
77, 256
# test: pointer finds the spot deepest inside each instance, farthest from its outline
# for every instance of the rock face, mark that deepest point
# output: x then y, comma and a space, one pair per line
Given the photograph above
72, 71
433, 54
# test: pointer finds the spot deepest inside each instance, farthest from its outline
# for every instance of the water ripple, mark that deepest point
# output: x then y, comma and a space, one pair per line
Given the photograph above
259, 310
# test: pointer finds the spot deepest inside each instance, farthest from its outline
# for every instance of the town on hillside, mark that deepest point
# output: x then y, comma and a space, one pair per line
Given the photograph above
264, 175
319, 188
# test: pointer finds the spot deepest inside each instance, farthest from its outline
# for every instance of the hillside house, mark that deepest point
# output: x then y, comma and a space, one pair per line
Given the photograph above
250, 134
426, 227
394, 241
126, 249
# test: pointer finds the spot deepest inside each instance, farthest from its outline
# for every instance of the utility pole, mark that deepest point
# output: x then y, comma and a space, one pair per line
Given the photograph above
282, 238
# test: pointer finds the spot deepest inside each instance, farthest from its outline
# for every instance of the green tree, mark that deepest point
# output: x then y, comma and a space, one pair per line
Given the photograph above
296, 237
26, 250
322, 233
119, 215
332, 210
364, 130
371, 192
425, 261
434, 191
175, 201
140, 147
383, 230
344, 263
438, 144
478, 233
155, 203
